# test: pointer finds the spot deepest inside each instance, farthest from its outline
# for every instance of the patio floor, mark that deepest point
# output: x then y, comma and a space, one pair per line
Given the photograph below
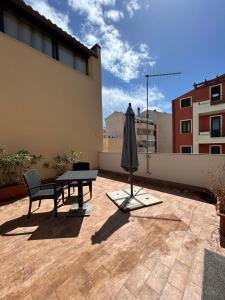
152, 253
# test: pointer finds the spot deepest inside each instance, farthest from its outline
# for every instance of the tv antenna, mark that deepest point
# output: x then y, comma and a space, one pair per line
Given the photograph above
147, 88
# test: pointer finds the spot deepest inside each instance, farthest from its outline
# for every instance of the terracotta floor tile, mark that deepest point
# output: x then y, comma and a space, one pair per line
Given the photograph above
196, 272
158, 277
124, 294
178, 275
109, 255
192, 292
137, 279
146, 293
170, 292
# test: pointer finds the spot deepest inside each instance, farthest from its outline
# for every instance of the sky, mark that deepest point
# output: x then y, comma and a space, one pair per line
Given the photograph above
146, 36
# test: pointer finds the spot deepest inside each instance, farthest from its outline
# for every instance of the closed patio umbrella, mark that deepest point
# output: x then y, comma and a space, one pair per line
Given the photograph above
129, 160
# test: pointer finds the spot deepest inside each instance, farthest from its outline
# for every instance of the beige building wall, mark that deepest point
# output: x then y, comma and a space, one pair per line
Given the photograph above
47, 107
115, 124
164, 133
114, 145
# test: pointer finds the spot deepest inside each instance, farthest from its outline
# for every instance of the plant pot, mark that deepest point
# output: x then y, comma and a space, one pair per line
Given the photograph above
12, 193
222, 220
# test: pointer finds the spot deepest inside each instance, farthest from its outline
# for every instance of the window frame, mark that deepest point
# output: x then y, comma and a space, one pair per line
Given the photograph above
181, 126
182, 146
185, 99
210, 93
210, 124
210, 149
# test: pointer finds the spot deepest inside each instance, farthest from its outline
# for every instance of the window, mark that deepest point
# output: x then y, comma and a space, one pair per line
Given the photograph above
186, 102
81, 64
66, 56
215, 149
186, 149
11, 25
215, 92
27, 33
216, 126
143, 131
186, 126
47, 45
37, 41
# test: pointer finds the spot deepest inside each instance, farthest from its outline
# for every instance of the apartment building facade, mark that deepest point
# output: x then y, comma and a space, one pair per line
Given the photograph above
50, 87
159, 131
199, 118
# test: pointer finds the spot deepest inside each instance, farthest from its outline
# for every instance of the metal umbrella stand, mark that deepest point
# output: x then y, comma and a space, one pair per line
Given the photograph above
129, 160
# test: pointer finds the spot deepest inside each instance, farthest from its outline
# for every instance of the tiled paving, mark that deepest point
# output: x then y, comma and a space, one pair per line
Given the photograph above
152, 253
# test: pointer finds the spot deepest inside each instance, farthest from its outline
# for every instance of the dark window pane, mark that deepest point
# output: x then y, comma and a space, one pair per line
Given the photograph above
215, 149
81, 64
186, 102
37, 41
66, 56
186, 149
215, 92
25, 33
11, 25
215, 126
186, 126
47, 45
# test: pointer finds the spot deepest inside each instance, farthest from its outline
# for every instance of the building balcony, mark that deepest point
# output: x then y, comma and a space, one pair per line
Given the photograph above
205, 107
206, 137
141, 137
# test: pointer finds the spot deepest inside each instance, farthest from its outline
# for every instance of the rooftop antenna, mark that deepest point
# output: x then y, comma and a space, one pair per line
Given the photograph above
147, 88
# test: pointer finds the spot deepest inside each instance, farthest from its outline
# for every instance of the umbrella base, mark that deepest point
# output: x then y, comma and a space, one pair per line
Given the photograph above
125, 202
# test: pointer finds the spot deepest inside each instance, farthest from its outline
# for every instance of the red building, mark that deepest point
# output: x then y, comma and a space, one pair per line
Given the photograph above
199, 118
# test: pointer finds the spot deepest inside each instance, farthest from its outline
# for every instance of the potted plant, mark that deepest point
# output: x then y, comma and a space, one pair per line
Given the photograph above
64, 162
217, 187
12, 168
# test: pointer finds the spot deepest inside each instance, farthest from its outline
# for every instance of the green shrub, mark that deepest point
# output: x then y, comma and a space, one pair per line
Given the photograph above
64, 162
14, 165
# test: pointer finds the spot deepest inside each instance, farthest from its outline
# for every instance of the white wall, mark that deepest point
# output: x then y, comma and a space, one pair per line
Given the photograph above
191, 169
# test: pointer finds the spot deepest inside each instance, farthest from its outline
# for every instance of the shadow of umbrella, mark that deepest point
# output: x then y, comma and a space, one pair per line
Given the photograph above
113, 223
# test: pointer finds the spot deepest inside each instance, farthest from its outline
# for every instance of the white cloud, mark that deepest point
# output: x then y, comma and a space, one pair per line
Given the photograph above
132, 6
118, 56
114, 15
92, 8
58, 18
117, 99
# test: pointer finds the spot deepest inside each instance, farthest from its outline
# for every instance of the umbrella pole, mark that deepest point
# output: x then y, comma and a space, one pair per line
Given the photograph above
131, 185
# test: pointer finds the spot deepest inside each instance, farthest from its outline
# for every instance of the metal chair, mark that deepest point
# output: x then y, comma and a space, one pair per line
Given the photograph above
81, 166
38, 191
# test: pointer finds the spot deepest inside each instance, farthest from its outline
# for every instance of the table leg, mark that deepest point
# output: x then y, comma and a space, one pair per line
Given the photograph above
80, 194
80, 209
68, 190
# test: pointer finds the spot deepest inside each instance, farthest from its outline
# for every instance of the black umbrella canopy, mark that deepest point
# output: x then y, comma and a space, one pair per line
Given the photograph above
129, 160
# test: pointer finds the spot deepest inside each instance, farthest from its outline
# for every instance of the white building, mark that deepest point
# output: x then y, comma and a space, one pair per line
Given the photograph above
159, 131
